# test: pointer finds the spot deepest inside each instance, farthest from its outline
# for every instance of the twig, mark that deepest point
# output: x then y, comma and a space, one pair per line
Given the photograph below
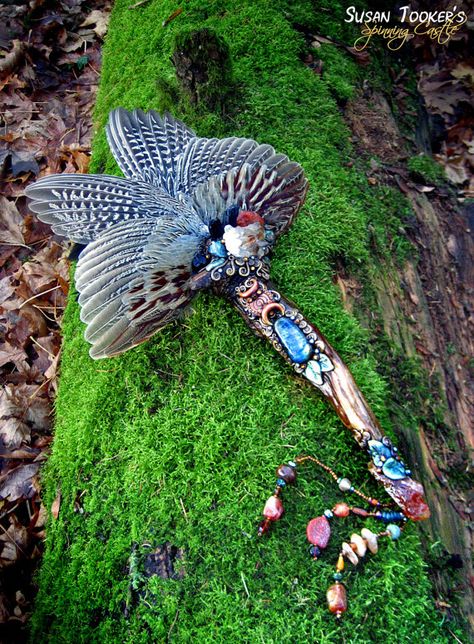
174, 15
33, 297
139, 4
183, 508
41, 347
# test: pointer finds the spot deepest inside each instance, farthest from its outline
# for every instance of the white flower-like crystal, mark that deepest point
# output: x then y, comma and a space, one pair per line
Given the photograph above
243, 241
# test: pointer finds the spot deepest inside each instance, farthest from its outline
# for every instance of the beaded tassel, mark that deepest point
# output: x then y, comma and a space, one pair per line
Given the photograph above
318, 530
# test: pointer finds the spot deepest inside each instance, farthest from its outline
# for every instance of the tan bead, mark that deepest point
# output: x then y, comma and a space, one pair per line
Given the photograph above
361, 546
371, 540
349, 553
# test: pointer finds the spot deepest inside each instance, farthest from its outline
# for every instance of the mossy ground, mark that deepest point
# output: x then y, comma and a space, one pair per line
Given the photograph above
177, 440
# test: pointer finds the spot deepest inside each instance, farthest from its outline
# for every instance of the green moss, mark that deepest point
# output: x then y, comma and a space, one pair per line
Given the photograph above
425, 169
177, 440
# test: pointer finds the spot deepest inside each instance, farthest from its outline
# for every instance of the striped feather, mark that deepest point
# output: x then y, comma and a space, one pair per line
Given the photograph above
147, 146
133, 280
276, 192
80, 206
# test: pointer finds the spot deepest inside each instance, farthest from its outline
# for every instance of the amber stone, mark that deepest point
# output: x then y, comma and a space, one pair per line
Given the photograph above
287, 473
341, 510
337, 598
318, 532
273, 508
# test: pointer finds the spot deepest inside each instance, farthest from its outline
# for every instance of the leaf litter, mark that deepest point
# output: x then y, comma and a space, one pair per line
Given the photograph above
50, 55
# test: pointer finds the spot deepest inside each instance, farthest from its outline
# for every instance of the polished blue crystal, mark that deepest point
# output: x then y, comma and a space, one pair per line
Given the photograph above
217, 248
293, 339
394, 469
394, 531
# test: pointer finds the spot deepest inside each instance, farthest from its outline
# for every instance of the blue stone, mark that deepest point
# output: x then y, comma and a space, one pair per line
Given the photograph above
313, 372
218, 249
394, 531
281, 482
219, 261
394, 470
293, 339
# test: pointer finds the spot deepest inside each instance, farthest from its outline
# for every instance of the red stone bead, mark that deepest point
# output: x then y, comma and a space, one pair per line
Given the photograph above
246, 217
337, 599
273, 508
318, 532
341, 510
287, 473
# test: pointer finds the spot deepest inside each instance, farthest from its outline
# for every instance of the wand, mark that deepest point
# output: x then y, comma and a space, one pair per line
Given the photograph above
192, 214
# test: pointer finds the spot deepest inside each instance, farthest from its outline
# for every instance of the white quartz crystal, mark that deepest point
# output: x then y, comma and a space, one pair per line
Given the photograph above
243, 241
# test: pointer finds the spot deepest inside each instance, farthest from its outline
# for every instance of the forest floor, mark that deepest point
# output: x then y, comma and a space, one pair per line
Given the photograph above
48, 91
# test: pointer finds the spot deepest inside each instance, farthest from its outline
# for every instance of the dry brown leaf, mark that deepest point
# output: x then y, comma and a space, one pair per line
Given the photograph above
101, 21
454, 167
442, 96
11, 223
464, 71
20, 483
55, 506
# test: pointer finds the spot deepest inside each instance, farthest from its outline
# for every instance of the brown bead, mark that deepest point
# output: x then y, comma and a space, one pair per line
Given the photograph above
318, 531
360, 512
337, 599
273, 508
341, 510
287, 473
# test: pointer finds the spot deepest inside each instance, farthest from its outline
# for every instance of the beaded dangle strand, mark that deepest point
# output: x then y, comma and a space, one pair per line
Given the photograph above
318, 530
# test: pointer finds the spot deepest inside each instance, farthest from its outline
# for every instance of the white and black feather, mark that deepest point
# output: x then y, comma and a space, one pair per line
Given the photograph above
143, 231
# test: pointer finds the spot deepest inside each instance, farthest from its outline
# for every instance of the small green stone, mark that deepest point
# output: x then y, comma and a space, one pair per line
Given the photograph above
337, 576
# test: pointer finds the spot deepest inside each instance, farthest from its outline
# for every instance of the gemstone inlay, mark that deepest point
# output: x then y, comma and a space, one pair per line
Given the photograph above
293, 339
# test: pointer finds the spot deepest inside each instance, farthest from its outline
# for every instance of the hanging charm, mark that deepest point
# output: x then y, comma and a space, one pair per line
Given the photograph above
318, 530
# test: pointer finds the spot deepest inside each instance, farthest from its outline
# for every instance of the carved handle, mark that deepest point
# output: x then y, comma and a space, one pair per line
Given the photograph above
306, 349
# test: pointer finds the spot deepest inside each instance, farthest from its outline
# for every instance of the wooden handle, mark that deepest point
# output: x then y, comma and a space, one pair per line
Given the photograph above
305, 348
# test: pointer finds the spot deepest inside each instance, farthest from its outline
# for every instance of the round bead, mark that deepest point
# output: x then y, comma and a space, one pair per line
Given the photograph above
318, 532
371, 540
287, 473
315, 552
292, 464
337, 576
341, 510
394, 531
360, 545
344, 485
328, 514
350, 554
273, 508
281, 482
337, 599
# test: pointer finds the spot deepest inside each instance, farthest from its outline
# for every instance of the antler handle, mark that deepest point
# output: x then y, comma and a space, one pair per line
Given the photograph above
305, 348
